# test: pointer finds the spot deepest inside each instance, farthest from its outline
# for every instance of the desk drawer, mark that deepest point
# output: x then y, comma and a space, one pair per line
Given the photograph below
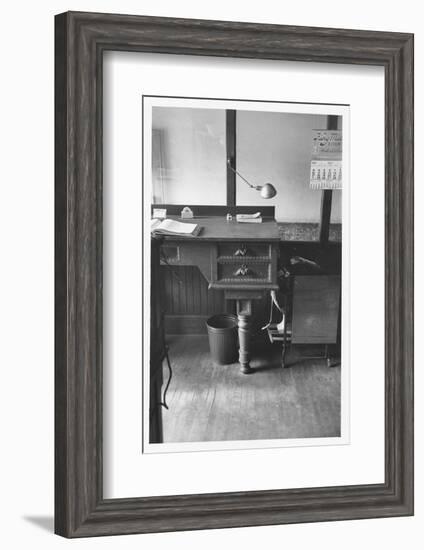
244, 250
238, 272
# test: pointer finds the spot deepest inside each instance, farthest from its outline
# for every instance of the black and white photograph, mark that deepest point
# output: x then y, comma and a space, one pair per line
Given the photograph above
247, 203
208, 275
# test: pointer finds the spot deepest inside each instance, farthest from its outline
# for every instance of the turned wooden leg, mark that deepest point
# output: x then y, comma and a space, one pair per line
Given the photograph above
244, 310
244, 341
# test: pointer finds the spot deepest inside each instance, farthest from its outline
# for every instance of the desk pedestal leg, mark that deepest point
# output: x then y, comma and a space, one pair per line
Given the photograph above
244, 312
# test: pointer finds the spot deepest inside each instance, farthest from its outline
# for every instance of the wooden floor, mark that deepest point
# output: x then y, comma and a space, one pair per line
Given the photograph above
208, 402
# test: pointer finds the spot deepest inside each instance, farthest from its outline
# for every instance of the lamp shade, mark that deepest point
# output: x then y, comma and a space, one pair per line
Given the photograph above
268, 191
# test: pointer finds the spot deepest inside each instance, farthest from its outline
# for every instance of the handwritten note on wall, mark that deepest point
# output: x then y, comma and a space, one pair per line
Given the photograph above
326, 163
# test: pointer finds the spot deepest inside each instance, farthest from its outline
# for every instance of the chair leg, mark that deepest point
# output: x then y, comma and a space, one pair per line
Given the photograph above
327, 356
283, 354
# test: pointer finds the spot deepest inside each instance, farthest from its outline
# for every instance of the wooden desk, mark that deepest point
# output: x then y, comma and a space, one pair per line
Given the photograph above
238, 258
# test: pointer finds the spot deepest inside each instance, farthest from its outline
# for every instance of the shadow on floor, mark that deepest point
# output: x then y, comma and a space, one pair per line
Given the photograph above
46, 523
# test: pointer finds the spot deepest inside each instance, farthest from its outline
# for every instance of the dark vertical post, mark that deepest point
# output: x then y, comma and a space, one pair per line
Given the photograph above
231, 156
327, 195
324, 226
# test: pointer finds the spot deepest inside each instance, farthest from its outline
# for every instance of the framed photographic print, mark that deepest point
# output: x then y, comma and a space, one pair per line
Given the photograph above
292, 304
234, 274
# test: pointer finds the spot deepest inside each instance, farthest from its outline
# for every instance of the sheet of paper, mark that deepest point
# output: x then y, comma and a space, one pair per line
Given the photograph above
154, 224
248, 216
172, 226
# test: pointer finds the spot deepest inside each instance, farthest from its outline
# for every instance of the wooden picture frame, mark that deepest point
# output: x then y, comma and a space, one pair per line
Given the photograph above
81, 39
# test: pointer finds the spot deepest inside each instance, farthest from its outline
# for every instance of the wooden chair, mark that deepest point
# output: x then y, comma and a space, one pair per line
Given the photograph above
312, 313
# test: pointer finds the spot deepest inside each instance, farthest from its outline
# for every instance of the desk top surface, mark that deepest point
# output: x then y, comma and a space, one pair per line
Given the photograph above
219, 229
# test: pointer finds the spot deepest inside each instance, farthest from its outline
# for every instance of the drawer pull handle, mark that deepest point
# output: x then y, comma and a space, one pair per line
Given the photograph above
242, 271
242, 251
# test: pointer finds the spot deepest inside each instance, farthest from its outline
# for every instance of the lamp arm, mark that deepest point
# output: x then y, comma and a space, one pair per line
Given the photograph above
258, 187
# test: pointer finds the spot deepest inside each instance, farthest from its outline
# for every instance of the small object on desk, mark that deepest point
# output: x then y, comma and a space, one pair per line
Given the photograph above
186, 213
229, 217
159, 213
172, 227
249, 218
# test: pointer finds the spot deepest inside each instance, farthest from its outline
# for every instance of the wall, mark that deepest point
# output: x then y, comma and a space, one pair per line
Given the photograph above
189, 156
26, 289
191, 168
276, 148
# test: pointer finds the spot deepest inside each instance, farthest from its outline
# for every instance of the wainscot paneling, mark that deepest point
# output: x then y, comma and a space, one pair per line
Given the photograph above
188, 301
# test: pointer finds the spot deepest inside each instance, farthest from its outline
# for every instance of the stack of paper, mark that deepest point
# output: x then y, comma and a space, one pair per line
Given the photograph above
172, 227
249, 218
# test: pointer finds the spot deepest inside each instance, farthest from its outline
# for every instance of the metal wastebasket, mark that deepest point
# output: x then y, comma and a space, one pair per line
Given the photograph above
223, 340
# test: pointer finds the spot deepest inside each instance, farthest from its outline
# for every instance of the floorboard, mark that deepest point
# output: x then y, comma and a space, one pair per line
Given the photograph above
209, 402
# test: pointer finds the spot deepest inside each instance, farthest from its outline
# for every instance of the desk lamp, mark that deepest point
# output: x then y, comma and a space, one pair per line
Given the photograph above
267, 190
